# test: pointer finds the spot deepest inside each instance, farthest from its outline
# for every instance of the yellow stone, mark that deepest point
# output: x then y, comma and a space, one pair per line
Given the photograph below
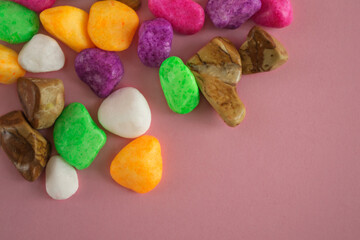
10, 70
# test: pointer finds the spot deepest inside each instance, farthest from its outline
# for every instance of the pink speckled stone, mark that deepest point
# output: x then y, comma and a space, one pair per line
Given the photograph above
274, 13
185, 16
36, 5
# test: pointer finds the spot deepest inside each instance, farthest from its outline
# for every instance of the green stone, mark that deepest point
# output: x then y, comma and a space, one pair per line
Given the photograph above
76, 136
179, 85
18, 24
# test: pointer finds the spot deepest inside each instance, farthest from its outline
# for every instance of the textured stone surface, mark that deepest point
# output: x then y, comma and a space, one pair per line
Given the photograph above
112, 25
155, 39
10, 70
101, 70
41, 54
179, 85
76, 137
231, 13
42, 100
274, 13
17, 23
36, 5
185, 16
125, 113
69, 25
26, 148
138, 166
134, 4
217, 69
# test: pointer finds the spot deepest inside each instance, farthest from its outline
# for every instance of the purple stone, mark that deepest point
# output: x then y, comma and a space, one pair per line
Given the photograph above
101, 70
155, 38
231, 13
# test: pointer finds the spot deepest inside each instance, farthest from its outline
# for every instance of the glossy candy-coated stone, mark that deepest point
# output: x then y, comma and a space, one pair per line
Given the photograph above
231, 13
42, 100
101, 70
134, 4
217, 69
155, 39
26, 148
69, 25
179, 85
17, 23
138, 166
274, 13
185, 16
10, 70
261, 52
112, 25
36, 5
76, 137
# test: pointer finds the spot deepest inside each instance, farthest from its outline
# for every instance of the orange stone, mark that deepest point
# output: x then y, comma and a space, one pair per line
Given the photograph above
138, 166
112, 25
10, 70
68, 24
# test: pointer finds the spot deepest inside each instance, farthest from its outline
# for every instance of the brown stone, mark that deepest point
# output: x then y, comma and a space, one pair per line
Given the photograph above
261, 52
26, 148
217, 69
42, 100
134, 4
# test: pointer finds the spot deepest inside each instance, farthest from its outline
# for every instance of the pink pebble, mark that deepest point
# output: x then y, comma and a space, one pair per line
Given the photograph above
36, 5
185, 16
274, 13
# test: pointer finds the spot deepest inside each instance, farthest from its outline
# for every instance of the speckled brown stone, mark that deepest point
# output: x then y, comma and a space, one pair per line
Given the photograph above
134, 4
42, 100
26, 148
261, 52
217, 69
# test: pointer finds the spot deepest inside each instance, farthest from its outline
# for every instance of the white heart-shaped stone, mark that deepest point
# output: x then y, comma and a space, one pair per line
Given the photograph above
61, 179
125, 113
41, 54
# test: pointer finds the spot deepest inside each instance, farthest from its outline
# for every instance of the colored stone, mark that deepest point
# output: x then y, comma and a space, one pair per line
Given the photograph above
61, 179
134, 4
261, 52
41, 54
26, 148
125, 113
155, 38
76, 137
231, 14
274, 13
179, 85
138, 166
185, 16
36, 5
217, 69
10, 70
112, 25
101, 70
69, 25
17, 23
42, 100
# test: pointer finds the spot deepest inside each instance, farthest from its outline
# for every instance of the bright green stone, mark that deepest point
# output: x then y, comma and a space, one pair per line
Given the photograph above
18, 24
76, 136
179, 85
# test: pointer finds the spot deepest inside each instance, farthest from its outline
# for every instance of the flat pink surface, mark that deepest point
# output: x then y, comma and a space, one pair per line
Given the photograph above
290, 171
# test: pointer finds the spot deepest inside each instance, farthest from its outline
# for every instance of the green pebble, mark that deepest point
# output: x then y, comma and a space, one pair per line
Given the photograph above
76, 136
179, 85
18, 24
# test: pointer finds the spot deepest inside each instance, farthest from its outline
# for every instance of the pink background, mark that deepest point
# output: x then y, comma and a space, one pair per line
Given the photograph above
290, 171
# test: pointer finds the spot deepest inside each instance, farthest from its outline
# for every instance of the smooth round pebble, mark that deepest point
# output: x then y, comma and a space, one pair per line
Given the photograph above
61, 179
274, 13
36, 5
125, 113
41, 54
10, 70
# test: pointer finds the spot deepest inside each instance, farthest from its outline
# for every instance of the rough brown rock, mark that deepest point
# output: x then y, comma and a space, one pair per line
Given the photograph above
217, 69
26, 148
134, 4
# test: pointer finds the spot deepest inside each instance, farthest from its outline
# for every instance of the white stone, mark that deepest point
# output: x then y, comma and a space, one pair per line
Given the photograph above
61, 179
125, 113
41, 54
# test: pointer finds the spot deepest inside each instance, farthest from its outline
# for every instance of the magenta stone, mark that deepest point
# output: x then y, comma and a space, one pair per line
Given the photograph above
185, 16
36, 5
231, 13
155, 38
101, 70
274, 13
